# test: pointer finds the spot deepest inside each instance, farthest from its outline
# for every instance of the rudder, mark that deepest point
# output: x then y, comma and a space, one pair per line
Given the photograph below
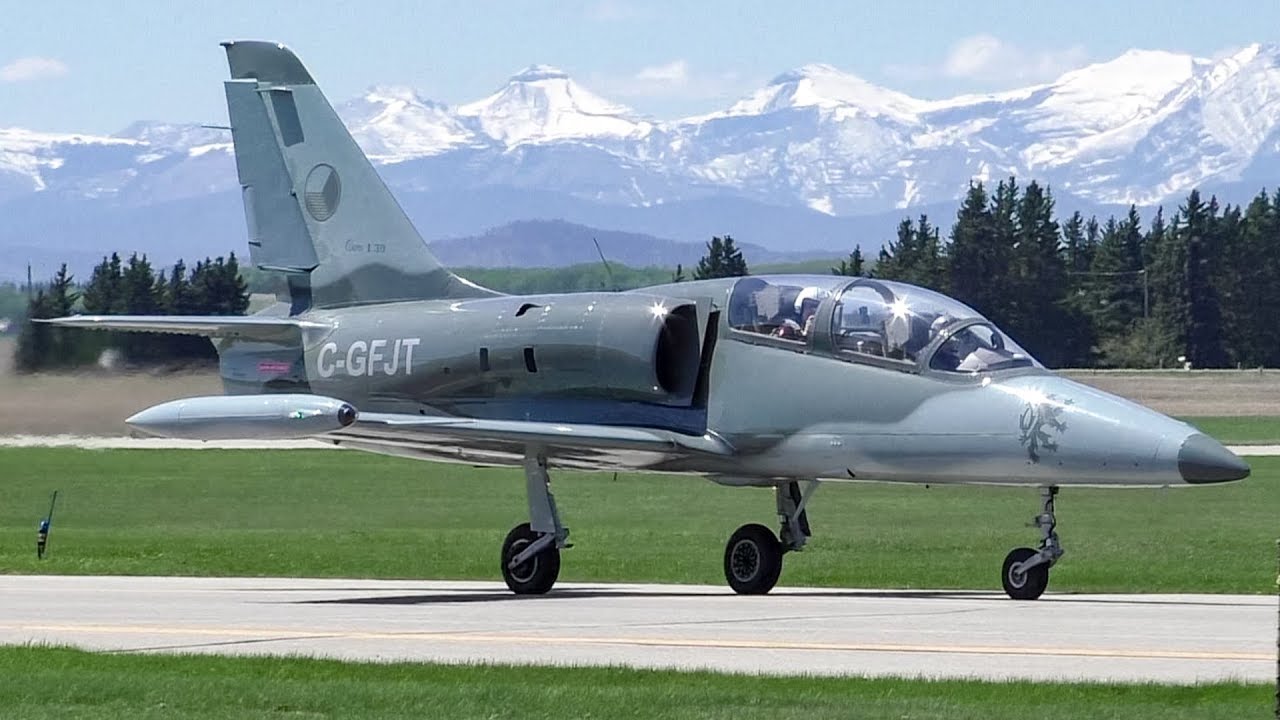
314, 206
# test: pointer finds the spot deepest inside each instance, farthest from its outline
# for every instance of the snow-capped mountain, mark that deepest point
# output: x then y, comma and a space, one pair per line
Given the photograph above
813, 143
542, 104
396, 123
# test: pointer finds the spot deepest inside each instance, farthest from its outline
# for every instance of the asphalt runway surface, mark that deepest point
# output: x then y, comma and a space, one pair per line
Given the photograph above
1161, 638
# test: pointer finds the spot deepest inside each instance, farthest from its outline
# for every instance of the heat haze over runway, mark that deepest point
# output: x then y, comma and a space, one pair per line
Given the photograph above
1163, 638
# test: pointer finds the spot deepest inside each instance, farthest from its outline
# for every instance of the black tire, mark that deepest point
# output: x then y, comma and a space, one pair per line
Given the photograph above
752, 560
534, 576
1023, 586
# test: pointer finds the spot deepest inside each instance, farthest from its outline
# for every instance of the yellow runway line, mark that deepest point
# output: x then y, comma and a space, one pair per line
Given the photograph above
501, 638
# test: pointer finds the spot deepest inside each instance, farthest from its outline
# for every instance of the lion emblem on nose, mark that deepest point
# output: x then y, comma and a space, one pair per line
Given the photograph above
1039, 419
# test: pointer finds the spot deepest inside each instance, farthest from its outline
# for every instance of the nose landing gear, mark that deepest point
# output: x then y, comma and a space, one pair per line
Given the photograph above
1025, 573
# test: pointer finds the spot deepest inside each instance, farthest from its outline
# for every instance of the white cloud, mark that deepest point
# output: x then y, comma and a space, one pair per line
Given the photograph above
992, 61
32, 68
675, 72
671, 82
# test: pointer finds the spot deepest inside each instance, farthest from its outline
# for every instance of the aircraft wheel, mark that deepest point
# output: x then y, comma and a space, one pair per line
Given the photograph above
752, 560
1027, 585
535, 575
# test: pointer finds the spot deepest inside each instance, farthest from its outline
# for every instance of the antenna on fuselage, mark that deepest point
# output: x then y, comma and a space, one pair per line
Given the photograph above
607, 270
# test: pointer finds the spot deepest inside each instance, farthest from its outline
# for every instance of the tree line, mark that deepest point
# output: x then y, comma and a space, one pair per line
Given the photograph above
212, 287
1199, 287
1196, 287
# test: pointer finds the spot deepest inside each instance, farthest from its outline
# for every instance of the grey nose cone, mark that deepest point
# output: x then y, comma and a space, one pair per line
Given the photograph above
1203, 460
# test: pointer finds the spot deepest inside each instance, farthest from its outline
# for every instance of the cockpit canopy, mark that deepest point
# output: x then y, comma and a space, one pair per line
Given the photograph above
876, 321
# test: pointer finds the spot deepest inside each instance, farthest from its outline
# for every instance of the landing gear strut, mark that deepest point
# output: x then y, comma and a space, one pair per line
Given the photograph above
1025, 574
753, 555
531, 552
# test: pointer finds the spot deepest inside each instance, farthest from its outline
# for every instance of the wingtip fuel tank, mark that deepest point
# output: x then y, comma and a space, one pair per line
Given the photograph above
226, 417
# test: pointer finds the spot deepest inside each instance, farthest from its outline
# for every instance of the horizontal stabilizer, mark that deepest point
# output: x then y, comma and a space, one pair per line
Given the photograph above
254, 327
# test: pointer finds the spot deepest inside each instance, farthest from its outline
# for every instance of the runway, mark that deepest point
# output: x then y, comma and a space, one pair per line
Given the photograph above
1161, 638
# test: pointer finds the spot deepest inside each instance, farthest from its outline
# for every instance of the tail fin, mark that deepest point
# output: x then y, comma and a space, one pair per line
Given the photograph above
315, 207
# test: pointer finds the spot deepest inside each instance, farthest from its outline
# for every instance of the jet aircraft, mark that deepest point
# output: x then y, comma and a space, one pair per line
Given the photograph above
780, 381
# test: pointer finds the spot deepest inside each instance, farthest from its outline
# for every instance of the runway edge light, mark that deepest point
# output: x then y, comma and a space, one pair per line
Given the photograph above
42, 533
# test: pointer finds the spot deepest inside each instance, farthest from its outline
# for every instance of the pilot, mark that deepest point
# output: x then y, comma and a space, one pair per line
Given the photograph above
953, 351
806, 309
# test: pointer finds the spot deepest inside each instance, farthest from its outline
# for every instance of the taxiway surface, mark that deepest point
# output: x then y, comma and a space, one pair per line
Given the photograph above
1162, 638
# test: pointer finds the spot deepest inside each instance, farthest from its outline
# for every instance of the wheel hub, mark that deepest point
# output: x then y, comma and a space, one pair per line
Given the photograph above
1017, 578
745, 560
525, 571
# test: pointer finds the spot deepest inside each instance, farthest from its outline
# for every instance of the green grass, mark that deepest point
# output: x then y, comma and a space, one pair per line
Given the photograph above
44, 682
1243, 430
349, 514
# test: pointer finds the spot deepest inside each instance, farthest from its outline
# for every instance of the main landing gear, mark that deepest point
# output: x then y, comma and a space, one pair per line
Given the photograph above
531, 552
753, 555
1025, 574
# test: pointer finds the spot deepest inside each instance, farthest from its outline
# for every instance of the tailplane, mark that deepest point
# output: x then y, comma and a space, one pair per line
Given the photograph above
315, 207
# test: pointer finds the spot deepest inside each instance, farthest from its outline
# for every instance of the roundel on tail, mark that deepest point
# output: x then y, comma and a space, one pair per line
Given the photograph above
322, 192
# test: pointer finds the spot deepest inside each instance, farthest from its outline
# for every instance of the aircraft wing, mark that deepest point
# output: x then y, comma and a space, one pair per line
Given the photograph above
253, 327
484, 441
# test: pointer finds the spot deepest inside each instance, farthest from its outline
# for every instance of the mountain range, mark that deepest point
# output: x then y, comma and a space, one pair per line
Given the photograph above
816, 159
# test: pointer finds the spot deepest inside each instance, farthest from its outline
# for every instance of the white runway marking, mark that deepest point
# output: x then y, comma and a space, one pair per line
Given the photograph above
1162, 638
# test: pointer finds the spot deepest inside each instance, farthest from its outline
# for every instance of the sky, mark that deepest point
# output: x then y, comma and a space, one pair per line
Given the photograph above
92, 66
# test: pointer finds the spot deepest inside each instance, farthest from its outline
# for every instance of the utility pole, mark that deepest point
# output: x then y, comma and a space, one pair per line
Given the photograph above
1146, 294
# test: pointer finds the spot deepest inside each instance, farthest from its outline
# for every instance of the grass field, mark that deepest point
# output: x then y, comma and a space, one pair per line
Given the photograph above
1240, 430
57, 683
349, 514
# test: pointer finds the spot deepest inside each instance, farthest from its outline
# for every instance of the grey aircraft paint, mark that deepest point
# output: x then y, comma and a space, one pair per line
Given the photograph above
747, 381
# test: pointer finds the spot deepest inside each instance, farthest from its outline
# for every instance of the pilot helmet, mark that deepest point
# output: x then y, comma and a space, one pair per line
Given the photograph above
811, 294
938, 323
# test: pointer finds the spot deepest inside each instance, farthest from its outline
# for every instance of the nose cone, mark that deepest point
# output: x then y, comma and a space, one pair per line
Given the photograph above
1203, 460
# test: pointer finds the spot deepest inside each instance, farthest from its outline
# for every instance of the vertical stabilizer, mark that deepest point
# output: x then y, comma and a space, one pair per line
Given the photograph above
315, 207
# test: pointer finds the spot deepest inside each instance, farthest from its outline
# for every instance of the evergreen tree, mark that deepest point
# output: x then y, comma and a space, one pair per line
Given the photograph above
1265, 244
1237, 270
1169, 292
181, 298
138, 297
1203, 237
103, 295
895, 256
41, 346
853, 266
930, 263
1037, 281
1077, 253
1077, 258
1186, 309
238, 289
1116, 298
977, 261
35, 341
723, 259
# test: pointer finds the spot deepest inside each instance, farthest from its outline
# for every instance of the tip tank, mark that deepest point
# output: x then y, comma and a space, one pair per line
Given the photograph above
245, 417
